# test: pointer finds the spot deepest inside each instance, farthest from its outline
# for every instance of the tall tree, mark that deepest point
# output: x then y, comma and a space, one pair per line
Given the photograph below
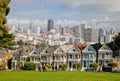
117, 39
5, 37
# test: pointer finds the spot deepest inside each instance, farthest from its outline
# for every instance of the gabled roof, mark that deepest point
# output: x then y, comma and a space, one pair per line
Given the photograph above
49, 50
63, 48
80, 47
105, 47
73, 49
113, 46
89, 48
40, 49
24, 50
96, 46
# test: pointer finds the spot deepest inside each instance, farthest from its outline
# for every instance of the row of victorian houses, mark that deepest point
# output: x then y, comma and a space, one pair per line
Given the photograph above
84, 54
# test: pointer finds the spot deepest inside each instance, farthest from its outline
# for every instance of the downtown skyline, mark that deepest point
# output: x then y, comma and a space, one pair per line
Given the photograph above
69, 12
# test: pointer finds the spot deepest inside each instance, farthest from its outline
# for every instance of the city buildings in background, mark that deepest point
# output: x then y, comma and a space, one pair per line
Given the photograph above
50, 24
62, 34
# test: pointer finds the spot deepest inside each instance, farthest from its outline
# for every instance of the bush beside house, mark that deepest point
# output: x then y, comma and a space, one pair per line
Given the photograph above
63, 66
29, 66
112, 64
77, 66
94, 66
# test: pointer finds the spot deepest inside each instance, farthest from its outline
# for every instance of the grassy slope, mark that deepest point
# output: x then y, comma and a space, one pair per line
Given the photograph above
57, 76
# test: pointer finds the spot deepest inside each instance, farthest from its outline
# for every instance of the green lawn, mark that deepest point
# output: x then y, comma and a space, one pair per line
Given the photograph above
57, 76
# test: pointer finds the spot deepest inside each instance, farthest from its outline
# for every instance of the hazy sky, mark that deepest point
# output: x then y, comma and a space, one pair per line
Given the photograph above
65, 10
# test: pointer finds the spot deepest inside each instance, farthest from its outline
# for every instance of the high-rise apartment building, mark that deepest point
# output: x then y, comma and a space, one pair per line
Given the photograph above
91, 35
50, 24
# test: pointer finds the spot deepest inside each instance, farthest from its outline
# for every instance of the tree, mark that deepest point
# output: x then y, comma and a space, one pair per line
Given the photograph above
117, 39
94, 66
77, 66
5, 37
112, 64
63, 66
29, 66
20, 42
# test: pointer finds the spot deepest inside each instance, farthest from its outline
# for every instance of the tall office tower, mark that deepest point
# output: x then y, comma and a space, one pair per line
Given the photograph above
88, 34
37, 31
50, 24
101, 35
91, 35
82, 29
76, 31
64, 30
95, 35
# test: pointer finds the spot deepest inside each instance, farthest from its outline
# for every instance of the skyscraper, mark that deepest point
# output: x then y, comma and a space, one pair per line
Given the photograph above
50, 24
37, 31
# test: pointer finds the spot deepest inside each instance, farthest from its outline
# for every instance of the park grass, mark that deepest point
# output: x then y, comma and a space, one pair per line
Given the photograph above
57, 76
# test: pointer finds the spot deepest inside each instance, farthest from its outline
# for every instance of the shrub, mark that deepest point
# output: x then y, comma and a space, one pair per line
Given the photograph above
94, 66
78, 66
63, 66
49, 66
112, 64
29, 66
107, 69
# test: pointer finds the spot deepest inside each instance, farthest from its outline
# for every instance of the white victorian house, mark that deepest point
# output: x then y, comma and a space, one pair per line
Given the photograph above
88, 56
105, 55
61, 55
35, 56
21, 56
74, 56
47, 55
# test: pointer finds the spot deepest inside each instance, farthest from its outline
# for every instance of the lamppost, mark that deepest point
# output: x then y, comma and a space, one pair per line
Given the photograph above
53, 65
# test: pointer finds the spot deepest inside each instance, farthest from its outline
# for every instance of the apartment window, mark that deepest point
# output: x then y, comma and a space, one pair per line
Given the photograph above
107, 61
85, 56
110, 53
70, 56
91, 56
73, 50
102, 55
107, 53
91, 61
76, 56
62, 56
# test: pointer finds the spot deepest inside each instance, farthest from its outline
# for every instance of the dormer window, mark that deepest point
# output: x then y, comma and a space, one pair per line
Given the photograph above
27, 50
35, 53
73, 50
89, 49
